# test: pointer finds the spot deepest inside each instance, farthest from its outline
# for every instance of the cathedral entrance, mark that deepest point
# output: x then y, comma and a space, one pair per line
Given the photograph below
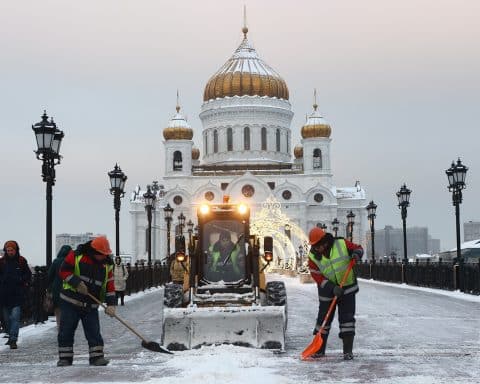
290, 242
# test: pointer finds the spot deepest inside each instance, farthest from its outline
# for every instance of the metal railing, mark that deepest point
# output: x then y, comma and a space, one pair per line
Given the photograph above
141, 276
441, 275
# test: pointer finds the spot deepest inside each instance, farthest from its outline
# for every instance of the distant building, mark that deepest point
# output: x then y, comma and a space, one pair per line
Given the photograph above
73, 240
471, 230
389, 242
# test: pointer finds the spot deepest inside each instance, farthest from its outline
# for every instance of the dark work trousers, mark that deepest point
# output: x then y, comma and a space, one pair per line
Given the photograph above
346, 315
70, 316
120, 295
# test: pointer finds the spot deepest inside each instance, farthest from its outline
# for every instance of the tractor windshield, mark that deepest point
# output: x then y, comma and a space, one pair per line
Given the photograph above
224, 248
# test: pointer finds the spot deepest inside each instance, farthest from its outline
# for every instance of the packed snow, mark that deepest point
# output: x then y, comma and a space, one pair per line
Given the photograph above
405, 335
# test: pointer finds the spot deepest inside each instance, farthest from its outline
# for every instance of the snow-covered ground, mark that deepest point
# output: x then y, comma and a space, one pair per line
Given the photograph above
404, 336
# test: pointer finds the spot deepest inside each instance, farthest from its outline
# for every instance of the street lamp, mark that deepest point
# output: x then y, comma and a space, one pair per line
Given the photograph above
117, 190
168, 211
350, 221
456, 182
372, 209
181, 222
49, 139
149, 198
335, 224
190, 226
403, 196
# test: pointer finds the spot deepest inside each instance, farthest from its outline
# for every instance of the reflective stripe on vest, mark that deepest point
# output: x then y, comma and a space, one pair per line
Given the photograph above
333, 268
76, 272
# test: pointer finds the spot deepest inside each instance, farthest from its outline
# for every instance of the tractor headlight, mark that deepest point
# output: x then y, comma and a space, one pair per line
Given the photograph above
242, 209
204, 209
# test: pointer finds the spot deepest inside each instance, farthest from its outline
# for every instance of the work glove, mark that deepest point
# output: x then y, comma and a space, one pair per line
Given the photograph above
110, 310
357, 255
82, 288
338, 291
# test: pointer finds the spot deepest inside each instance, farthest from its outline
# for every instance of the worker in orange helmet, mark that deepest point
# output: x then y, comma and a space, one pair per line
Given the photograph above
328, 261
87, 270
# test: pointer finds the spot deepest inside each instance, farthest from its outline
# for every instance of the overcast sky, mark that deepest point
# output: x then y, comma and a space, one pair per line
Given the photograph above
399, 82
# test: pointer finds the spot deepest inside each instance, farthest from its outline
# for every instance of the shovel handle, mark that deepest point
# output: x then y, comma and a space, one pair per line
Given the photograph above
118, 318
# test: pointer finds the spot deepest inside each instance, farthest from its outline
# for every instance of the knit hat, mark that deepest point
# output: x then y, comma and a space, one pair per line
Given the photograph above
11, 244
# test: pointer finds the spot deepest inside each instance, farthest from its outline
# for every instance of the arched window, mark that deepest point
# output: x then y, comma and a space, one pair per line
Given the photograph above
264, 139
215, 141
205, 144
277, 138
317, 158
246, 138
229, 139
177, 161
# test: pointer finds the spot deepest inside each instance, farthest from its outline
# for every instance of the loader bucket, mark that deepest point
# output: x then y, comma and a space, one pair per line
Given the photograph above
257, 327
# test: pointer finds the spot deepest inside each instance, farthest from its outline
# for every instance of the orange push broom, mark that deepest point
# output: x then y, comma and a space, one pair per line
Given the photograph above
317, 341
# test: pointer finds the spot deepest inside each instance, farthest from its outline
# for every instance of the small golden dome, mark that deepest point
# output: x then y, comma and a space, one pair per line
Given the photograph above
245, 73
178, 128
316, 126
195, 153
298, 151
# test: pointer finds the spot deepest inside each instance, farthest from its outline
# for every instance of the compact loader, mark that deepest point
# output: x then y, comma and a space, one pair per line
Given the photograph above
225, 298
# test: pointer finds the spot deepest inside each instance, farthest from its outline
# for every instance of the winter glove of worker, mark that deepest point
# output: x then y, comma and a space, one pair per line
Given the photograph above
110, 310
338, 291
82, 288
315, 253
357, 254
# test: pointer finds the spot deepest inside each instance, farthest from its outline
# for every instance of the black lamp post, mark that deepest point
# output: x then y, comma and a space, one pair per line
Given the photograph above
335, 224
149, 198
350, 221
403, 196
168, 218
49, 139
456, 182
372, 209
190, 226
181, 222
117, 189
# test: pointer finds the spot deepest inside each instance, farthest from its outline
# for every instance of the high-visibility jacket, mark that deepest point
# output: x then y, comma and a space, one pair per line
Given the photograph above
216, 255
97, 276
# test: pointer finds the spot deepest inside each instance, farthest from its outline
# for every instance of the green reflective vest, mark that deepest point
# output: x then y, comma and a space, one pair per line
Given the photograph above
76, 272
216, 258
334, 268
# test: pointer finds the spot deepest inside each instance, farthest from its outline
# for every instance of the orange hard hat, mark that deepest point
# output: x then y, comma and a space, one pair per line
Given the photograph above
315, 235
101, 245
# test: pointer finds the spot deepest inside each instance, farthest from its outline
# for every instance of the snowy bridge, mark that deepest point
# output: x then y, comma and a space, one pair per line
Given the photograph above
404, 335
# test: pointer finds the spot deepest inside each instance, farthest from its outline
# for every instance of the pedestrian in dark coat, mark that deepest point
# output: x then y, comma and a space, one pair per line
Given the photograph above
15, 277
55, 282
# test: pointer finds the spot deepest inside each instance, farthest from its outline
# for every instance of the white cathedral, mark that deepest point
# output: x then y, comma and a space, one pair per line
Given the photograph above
247, 155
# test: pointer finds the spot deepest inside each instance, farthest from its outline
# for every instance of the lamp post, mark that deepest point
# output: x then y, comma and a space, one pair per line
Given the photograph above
168, 218
181, 222
49, 139
456, 182
149, 198
403, 196
190, 226
372, 209
335, 223
117, 190
350, 221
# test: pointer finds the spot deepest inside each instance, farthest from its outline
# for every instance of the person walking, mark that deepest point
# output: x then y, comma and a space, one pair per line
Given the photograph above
120, 275
87, 270
328, 261
15, 277
55, 282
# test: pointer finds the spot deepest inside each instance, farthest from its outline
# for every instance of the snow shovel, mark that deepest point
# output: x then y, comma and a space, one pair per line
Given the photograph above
317, 341
150, 345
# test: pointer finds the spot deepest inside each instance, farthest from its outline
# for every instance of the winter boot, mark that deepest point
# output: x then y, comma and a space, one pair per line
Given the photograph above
348, 347
8, 342
321, 352
99, 361
64, 363
13, 345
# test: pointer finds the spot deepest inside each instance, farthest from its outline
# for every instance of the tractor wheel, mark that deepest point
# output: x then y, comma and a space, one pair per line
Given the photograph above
277, 296
173, 296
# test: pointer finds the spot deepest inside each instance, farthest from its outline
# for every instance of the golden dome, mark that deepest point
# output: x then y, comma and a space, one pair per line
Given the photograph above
245, 74
316, 126
195, 153
298, 151
178, 128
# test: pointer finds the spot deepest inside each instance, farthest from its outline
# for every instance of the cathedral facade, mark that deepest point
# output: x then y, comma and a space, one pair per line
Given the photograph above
246, 154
